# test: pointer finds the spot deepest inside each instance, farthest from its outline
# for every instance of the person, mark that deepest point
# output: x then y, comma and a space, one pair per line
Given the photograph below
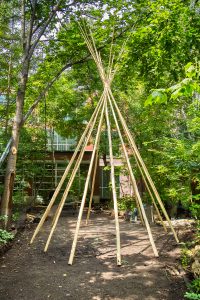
134, 215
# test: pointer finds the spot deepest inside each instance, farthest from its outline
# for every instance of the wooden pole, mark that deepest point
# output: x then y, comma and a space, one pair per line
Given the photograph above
62, 202
150, 193
92, 189
112, 175
47, 211
93, 51
134, 183
135, 150
73, 249
138, 206
139, 210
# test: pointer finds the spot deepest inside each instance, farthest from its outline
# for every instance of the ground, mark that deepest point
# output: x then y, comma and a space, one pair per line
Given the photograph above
27, 273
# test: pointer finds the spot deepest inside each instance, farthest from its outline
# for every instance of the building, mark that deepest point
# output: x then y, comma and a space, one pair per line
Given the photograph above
60, 151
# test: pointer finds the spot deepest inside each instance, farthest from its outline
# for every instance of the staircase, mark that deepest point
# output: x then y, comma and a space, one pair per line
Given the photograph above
4, 150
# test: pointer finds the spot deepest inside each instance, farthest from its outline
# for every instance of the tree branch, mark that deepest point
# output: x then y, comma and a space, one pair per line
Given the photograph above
23, 36
52, 14
49, 85
33, 6
38, 26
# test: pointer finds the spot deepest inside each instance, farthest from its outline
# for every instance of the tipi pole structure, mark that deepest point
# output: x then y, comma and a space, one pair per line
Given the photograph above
73, 249
134, 183
112, 175
135, 150
46, 213
106, 103
62, 202
92, 188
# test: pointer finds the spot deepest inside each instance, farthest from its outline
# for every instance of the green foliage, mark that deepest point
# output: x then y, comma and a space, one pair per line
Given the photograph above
5, 236
189, 254
3, 218
157, 96
18, 199
197, 233
192, 296
195, 286
186, 88
195, 207
185, 258
178, 150
15, 216
126, 203
194, 290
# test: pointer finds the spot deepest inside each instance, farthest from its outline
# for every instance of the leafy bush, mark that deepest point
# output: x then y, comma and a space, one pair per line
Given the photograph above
194, 290
195, 286
5, 236
192, 296
16, 216
126, 203
195, 209
3, 218
190, 260
19, 199
185, 258
197, 234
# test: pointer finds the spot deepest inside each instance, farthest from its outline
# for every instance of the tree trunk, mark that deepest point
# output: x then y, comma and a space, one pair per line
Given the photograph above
27, 49
6, 205
8, 94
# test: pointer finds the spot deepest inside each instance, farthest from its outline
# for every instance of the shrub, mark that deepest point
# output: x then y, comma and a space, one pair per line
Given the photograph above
194, 290
126, 203
192, 296
5, 236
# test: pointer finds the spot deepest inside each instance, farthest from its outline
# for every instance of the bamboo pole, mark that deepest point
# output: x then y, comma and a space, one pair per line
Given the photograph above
62, 202
92, 189
111, 57
134, 182
93, 51
112, 175
150, 193
135, 150
73, 249
78, 160
138, 207
57, 190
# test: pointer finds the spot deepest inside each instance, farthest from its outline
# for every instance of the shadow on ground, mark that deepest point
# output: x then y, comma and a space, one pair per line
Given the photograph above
27, 273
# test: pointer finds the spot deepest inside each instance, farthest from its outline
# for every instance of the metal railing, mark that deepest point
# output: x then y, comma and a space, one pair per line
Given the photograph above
60, 147
5, 152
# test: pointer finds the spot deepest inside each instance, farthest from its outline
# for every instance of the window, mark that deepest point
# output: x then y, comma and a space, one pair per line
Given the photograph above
59, 143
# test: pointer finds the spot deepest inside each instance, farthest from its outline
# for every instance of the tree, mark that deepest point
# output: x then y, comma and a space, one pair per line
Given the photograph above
36, 20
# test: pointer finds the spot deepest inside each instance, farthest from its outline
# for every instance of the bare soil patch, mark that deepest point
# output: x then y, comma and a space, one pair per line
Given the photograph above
27, 273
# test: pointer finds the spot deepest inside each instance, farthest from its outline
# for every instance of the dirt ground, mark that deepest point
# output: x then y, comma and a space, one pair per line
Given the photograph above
27, 273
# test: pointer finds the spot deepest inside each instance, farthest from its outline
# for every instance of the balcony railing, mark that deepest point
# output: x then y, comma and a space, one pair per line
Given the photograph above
60, 147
